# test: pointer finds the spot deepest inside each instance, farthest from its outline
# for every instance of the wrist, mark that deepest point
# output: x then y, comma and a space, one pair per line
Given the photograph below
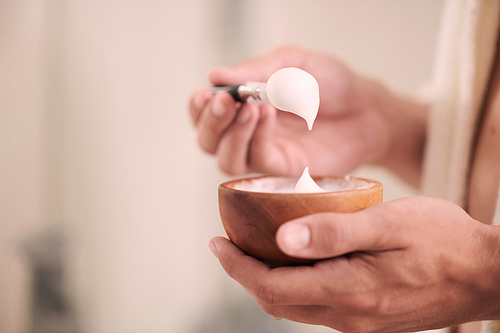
404, 127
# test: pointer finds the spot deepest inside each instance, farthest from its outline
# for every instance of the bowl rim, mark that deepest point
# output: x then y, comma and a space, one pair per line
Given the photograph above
375, 185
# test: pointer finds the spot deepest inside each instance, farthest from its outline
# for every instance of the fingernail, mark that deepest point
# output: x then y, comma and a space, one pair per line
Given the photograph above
218, 108
296, 237
244, 115
214, 250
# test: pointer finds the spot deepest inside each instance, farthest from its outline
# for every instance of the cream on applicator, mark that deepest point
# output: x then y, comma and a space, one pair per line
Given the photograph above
288, 89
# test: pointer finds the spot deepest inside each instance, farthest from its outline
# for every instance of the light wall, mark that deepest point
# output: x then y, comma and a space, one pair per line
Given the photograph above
22, 160
95, 137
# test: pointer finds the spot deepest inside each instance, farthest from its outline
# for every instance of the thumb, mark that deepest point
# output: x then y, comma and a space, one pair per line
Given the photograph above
327, 235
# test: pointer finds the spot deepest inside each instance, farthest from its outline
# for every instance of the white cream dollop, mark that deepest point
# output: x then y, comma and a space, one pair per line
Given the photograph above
306, 184
294, 90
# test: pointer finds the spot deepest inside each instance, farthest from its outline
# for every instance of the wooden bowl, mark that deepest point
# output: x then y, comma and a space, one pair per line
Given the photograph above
251, 215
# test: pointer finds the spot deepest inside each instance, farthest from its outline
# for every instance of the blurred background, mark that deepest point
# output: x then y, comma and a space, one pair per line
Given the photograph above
106, 202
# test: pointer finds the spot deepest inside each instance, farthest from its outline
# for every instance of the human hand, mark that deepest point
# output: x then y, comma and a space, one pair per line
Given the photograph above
348, 131
406, 265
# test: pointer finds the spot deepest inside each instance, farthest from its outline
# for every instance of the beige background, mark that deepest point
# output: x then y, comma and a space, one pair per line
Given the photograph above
95, 138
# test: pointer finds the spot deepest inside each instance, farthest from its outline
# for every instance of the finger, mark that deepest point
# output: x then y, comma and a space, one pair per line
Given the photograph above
215, 118
329, 235
232, 152
283, 285
299, 293
235, 262
266, 154
197, 102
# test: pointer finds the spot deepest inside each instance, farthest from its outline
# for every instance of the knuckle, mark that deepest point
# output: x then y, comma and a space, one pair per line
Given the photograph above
231, 267
365, 303
266, 295
206, 144
326, 231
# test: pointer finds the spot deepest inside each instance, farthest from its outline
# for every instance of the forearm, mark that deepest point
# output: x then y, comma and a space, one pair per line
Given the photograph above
486, 278
406, 130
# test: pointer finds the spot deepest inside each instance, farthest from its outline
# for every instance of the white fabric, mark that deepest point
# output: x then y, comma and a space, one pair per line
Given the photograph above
464, 59
465, 53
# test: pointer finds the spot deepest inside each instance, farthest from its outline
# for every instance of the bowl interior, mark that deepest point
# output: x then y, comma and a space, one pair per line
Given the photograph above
271, 184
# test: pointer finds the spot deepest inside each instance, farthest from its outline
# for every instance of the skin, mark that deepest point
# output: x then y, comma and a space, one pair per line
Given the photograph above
405, 265
389, 273
252, 139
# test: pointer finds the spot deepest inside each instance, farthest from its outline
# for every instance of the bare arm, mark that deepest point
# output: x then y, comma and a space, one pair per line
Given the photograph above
406, 121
